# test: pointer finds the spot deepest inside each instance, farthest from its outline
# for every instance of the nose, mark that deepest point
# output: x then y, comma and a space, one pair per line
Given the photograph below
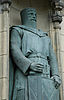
34, 15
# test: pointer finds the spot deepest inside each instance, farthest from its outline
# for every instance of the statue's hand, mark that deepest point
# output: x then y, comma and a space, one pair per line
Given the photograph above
36, 67
57, 81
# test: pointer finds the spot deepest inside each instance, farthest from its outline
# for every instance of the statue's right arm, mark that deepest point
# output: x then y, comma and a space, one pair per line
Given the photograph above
19, 59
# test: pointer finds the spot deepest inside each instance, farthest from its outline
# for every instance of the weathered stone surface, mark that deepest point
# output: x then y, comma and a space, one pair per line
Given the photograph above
4, 89
62, 60
3, 43
32, 60
41, 89
1, 23
5, 64
63, 80
0, 89
0, 9
1, 67
4, 51
63, 94
5, 1
61, 43
62, 26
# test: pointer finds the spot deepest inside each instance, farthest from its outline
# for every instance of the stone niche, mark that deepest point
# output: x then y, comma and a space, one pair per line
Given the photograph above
42, 7
43, 20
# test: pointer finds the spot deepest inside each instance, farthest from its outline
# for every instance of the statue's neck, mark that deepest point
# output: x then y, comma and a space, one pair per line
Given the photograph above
31, 25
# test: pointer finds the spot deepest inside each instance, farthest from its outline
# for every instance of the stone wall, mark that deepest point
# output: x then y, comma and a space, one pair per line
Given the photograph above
62, 51
4, 54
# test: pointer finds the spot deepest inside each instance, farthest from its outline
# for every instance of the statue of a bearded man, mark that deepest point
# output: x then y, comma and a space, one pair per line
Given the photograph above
36, 71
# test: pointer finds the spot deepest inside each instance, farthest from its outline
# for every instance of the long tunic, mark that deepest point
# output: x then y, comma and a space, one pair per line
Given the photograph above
28, 46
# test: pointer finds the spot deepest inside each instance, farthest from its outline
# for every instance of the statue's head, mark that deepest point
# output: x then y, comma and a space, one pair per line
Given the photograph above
29, 17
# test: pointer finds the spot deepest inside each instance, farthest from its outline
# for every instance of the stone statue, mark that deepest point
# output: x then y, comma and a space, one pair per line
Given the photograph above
36, 75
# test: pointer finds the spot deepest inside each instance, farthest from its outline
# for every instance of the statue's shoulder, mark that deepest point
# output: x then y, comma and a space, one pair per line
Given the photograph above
16, 27
38, 32
42, 33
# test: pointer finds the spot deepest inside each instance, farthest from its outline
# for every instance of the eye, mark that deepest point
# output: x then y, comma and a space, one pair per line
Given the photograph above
31, 13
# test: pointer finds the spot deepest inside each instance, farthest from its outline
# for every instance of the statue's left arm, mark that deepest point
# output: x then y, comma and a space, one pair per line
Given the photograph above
53, 61
54, 66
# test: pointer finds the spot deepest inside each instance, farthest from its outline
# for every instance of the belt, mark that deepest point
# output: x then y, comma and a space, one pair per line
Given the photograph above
37, 55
